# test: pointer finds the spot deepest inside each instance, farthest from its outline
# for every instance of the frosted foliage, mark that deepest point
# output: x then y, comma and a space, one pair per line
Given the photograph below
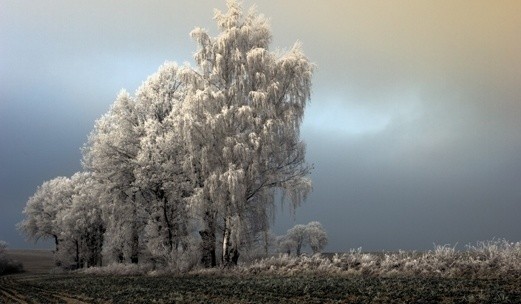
242, 118
110, 155
161, 93
135, 151
82, 223
159, 173
286, 244
67, 210
113, 144
312, 234
298, 236
317, 236
42, 218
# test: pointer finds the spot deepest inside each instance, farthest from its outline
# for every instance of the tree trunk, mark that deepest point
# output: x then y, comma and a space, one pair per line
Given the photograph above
134, 245
225, 258
230, 252
77, 259
99, 249
230, 256
235, 256
57, 262
56, 242
169, 226
266, 242
134, 257
208, 258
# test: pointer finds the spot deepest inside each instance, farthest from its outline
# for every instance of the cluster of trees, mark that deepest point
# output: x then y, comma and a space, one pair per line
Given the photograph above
296, 238
69, 211
192, 162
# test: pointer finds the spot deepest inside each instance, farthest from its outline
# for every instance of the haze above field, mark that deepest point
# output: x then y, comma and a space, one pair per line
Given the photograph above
414, 124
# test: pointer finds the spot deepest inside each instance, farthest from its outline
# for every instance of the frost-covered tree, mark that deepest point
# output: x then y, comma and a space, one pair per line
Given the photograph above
286, 244
68, 211
317, 236
160, 174
312, 234
298, 236
3, 247
242, 120
82, 225
110, 154
137, 152
42, 211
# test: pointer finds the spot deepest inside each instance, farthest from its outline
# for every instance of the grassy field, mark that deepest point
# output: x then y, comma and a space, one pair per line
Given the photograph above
38, 286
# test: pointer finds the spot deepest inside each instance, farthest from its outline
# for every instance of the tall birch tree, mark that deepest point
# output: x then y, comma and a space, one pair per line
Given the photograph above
243, 118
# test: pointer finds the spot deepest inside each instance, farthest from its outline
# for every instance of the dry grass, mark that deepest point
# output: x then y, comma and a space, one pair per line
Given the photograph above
492, 259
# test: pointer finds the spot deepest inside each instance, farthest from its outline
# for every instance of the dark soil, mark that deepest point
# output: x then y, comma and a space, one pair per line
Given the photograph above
262, 289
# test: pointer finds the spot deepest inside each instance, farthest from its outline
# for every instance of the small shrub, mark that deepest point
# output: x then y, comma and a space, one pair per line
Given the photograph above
7, 265
118, 269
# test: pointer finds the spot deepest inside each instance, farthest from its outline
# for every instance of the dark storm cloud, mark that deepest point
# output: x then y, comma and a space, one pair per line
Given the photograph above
413, 126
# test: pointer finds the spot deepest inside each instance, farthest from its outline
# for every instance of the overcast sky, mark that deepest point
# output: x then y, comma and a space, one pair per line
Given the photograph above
414, 125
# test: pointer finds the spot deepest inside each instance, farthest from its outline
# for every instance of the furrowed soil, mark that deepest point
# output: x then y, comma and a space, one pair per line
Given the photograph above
254, 289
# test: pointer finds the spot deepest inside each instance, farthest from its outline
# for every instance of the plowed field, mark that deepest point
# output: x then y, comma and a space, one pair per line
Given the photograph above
250, 289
